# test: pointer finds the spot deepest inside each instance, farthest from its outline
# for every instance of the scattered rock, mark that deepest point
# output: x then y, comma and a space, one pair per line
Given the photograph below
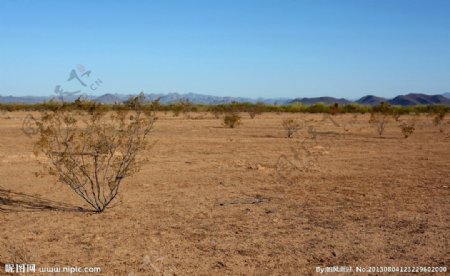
219, 264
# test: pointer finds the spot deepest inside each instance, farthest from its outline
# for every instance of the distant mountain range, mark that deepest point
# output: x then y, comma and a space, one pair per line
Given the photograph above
413, 99
164, 98
409, 99
25, 99
405, 100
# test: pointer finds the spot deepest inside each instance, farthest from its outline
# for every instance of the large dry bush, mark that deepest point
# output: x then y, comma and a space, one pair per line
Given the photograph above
93, 151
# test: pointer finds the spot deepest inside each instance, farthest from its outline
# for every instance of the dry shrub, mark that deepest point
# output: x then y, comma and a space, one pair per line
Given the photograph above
93, 151
216, 113
407, 129
232, 120
291, 126
379, 122
438, 120
353, 121
253, 113
255, 110
334, 109
183, 106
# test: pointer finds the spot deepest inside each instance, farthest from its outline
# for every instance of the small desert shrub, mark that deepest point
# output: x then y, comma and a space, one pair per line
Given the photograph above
318, 108
396, 116
334, 109
232, 120
291, 126
93, 151
379, 122
255, 109
346, 126
355, 108
135, 101
438, 120
407, 129
183, 107
383, 108
176, 112
216, 110
216, 113
253, 113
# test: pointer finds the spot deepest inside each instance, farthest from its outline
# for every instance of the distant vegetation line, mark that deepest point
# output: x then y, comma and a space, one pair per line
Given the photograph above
186, 106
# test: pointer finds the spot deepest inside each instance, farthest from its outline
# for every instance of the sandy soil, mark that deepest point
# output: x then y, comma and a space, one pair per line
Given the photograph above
243, 201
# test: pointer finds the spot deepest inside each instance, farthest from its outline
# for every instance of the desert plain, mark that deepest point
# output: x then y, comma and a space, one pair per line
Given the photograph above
213, 200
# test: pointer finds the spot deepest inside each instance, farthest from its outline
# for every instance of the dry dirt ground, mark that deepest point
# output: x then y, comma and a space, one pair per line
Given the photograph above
243, 201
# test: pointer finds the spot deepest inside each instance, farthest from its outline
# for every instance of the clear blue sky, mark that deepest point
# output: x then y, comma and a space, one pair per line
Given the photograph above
284, 48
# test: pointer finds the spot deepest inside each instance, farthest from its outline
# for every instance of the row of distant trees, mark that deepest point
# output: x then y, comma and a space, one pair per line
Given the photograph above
185, 106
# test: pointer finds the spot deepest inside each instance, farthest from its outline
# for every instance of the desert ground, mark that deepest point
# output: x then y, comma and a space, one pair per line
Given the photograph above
213, 200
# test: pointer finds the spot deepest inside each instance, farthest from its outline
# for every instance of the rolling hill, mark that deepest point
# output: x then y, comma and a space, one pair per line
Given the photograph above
325, 100
371, 100
416, 98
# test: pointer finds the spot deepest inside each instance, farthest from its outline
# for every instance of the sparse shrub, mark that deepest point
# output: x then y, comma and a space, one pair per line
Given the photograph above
407, 129
255, 109
232, 120
334, 109
176, 112
188, 108
216, 110
346, 126
253, 113
216, 113
318, 108
383, 108
355, 108
134, 102
291, 126
396, 116
183, 106
438, 120
379, 122
92, 152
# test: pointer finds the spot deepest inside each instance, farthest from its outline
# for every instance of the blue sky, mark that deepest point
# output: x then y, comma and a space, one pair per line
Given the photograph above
284, 48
